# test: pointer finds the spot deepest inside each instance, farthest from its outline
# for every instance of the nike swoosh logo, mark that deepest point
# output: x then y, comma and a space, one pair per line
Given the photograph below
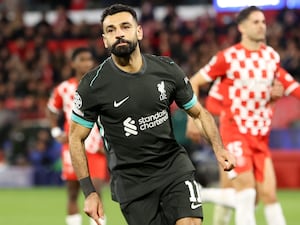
117, 104
195, 206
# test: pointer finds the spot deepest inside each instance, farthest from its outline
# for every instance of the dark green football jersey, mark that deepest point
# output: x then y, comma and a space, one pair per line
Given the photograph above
133, 114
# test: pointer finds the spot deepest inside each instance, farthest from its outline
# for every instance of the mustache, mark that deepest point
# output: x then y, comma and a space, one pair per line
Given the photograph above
119, 41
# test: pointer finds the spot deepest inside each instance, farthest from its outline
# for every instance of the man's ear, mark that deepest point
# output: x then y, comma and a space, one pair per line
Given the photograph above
104, 40
240, 28
140, 32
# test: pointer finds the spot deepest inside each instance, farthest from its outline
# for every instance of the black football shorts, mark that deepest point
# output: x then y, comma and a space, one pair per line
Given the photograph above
167, 204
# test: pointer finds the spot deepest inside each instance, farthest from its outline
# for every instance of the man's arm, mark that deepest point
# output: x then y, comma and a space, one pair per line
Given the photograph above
56, 131
192, 132
93, 206
77, 136
209, 130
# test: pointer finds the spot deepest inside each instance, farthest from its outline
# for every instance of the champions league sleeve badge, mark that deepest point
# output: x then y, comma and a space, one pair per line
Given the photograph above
77, 100
77, 104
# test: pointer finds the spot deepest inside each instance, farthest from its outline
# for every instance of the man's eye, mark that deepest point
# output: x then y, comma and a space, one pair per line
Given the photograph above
109, 30
126, 27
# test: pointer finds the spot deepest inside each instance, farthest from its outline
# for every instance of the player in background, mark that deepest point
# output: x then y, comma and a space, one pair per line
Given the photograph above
61, 101
224, 196
247, 71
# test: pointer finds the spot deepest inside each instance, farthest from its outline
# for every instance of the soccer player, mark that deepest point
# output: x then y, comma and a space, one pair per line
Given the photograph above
225, 197
61, 101
129, 97
248, 70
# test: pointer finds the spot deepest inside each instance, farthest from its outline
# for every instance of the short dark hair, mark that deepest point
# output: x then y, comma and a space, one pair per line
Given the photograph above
116, 8
244, 14
78, 51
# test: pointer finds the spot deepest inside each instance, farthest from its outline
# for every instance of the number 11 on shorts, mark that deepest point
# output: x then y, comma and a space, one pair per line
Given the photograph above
194, 189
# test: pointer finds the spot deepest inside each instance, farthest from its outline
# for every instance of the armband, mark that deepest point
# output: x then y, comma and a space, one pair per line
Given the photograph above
87, 186
55, 132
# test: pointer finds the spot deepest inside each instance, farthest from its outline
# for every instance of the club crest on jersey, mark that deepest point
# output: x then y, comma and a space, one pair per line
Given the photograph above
77, 100
161, 89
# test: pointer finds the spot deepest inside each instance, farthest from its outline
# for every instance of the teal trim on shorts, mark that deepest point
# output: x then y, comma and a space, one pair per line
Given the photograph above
81, 121
191, 103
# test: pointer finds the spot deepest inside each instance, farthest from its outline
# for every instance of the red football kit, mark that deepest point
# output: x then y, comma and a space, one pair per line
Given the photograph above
62, 100
244, 82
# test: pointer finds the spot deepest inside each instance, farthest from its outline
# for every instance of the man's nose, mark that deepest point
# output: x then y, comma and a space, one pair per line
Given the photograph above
119, 33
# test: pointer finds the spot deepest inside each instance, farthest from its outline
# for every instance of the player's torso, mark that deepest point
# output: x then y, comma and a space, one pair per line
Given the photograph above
247, 86
134, 114
133, 104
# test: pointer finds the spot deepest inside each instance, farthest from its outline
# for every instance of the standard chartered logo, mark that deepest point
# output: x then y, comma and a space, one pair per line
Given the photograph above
130, 127
145, 123
153, 120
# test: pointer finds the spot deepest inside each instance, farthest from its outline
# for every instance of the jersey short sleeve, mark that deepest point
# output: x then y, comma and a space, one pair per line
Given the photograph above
184, 97
291, 86
216, 67
55, 102
83, 105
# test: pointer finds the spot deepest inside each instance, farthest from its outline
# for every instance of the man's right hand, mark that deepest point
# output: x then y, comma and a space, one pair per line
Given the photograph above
93, 207
277, 90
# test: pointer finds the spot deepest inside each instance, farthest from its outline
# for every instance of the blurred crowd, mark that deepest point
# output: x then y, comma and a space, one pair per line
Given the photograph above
33, 59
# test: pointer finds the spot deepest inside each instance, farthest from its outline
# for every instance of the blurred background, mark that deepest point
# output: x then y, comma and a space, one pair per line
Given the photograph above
37, 37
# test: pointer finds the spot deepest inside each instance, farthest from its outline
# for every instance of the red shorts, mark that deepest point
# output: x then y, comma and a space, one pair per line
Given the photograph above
250, 152
96, 161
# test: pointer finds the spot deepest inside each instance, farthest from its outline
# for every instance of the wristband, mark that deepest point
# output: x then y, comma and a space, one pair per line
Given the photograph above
55, 132
87, 186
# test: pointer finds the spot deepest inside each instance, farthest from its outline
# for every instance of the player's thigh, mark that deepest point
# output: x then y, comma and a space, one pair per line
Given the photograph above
267, 187
145, 210
73, 188
181, 202
244, 180
242, 175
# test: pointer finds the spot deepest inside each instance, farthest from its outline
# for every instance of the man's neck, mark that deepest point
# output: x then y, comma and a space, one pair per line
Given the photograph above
251, 45
131, 64
78, 76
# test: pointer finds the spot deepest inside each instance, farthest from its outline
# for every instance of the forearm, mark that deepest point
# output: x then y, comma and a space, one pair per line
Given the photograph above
77, 136
80, 164
209, 130
78, 156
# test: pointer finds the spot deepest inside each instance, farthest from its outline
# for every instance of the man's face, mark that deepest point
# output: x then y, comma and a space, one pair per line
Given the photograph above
254, 27
121, 34
83, 62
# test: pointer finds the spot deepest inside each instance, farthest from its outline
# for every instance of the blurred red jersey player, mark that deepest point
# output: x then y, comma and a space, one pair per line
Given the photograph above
61, 100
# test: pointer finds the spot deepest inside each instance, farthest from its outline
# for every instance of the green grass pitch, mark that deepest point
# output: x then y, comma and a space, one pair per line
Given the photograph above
46, 206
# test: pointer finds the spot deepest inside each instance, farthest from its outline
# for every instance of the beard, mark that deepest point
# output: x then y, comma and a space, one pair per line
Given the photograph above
124, 50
